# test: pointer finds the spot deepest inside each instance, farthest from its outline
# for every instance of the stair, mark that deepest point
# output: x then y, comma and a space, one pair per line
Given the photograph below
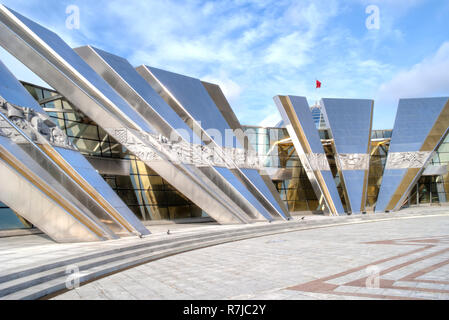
49, 278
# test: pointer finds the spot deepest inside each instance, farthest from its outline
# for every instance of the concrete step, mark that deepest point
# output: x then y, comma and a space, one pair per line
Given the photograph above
48, 272
9, 275
50, 277
44, 283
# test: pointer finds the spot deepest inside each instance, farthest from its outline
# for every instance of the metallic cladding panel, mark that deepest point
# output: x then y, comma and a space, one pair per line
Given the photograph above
106, 108
11, 89
391, 180
332, 189
225, 109
194, 98
112, 166
231, 178
298, 121
304, 116
128, 74
139, 94
28, 198
20, 195
258, 181
194, 104
13, 92
81, 67
414, 121
350, 122
55, 178
74, 193
83, 167
229, 116
354, 180
419, 127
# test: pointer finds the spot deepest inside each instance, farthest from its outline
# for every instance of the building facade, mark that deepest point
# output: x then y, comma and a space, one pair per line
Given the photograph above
114, 146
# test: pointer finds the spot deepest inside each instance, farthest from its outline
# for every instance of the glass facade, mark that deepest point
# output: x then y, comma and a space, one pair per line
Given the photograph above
148, 195
295, 189
433, 189
378, 159
289, 176
151, 198
381, 134
318, 117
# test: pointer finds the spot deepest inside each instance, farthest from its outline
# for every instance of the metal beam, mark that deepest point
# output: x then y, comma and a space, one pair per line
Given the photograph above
299, 123
420, 126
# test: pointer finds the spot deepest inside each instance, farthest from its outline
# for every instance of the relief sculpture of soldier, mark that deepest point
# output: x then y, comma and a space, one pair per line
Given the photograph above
36, 126
354, 161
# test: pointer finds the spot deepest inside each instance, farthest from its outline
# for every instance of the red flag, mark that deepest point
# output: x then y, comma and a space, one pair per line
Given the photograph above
318, 84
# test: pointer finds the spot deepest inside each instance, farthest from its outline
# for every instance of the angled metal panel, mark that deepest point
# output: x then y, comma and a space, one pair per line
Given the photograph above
53, 60
35, 195
350, 122
420, 126
191, 101
228, 114
297, 118
81, 175
120, 74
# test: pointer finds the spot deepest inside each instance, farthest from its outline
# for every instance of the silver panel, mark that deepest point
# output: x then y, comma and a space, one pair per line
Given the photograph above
55, 62
420, 126
350, 122
297, 118
190, 100
57, 178
230, 117
135, 90
40, 126
118, 167
35, 195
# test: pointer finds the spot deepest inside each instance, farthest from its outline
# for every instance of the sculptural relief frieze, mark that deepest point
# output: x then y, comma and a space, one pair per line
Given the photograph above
353, 161
318, 161
407, 160
34, 125
184, 152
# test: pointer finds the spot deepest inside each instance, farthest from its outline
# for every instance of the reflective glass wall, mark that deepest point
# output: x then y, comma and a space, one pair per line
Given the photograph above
148, 195
433, 189
152, 198
284, 166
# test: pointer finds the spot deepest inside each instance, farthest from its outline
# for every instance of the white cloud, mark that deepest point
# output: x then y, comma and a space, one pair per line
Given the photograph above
293, 50
254, 49
430, 77
19, 70
272, 119
229, 87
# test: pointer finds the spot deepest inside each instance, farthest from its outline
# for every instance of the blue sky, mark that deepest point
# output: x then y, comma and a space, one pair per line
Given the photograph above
256, 49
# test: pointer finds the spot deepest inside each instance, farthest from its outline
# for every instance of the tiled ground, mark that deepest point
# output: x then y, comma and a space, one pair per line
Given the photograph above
341, 262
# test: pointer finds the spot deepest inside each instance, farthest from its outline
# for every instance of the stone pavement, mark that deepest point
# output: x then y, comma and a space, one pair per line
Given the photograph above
392, 259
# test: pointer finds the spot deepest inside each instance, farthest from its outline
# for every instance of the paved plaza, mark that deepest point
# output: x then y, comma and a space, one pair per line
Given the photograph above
406, 258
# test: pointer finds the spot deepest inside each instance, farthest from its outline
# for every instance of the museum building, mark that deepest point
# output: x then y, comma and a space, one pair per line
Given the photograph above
112, 148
